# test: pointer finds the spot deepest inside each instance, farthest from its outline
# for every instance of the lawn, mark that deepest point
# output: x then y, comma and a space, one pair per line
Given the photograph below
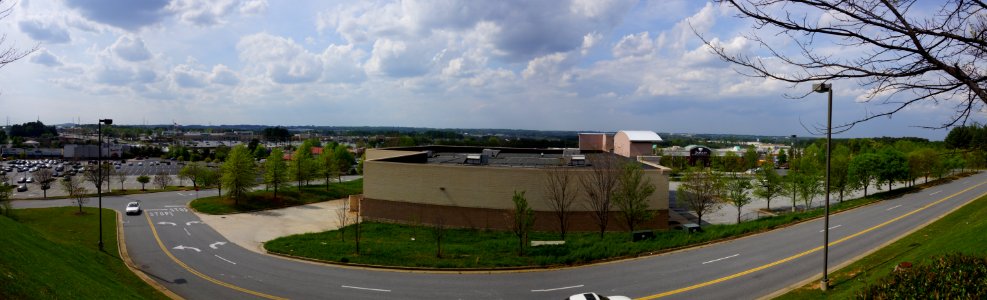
959, 232
52, 253
287, 196
415, 246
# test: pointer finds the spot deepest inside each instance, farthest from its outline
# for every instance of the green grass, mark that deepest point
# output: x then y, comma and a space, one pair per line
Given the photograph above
52, 253
287, 196
959, 232
391, 244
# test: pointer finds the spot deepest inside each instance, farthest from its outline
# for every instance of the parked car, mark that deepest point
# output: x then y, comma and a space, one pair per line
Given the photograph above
133, 208
22, 188
21, 180
595, 296
30, 179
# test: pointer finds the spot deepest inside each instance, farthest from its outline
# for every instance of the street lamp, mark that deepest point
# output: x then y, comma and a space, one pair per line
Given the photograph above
791, 163
826, 88
99, 174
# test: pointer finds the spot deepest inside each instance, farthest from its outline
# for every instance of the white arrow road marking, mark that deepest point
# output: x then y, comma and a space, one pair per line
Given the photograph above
936, 192
722, 258
834, 227
216, 245
893, 207
180, 194
167, 223
363, 288
189, 223
180, 247
186, 232
556, 289
227, 260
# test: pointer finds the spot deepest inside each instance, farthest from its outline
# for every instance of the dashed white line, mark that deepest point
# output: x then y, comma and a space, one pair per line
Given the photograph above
893, 207
556, 289
831, 228
366, 289
936, 192
722, 258
227, 260
186, 232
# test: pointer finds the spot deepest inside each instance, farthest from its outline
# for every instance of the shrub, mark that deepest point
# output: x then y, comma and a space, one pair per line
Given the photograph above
954, 276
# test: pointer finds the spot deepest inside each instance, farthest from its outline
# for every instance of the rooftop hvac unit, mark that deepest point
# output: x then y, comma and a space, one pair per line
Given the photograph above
475, 159
578, 160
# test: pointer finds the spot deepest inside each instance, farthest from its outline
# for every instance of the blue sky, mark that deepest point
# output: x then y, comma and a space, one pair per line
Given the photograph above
553, 65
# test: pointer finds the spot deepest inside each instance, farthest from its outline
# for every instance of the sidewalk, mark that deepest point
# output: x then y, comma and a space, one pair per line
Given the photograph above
251, 230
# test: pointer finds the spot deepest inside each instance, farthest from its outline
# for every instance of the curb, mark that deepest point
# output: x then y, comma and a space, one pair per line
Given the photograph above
122, 249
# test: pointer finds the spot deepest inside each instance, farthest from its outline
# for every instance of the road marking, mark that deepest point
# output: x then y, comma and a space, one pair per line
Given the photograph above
216, 245
180, 194
157, 238
167, 223
227, 260
366, 289
556, 289
186, 232
893, 207
810, 251
722, 258
936, 192
180, 247
153, 209
189, 223
831, 228
174, 206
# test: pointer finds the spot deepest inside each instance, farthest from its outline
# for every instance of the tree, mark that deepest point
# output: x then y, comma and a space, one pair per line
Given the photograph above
328, 167
121, 177
907, 55
344, 161
192, 171
522, 218
700, 191
839, 171
93, 175
893, 166
806, 179
73, 187
44, 178
782, 157
162, 180
212, 177
863, 170
438, 231
560, 193
5, 192
735, 192
769, 183
631, 195
239, 173
143, 179
599, 185
750, 158
343, 216
301, 166
276, 171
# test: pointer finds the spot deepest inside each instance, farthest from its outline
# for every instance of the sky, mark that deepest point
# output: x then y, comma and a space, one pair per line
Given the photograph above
581, 65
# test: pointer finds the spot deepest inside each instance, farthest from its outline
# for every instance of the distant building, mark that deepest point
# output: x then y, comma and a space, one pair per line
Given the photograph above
635, 143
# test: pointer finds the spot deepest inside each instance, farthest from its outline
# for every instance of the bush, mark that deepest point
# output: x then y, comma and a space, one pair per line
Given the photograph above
954, 276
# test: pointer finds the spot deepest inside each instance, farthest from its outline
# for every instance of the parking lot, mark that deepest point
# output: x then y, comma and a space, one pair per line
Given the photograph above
21, 173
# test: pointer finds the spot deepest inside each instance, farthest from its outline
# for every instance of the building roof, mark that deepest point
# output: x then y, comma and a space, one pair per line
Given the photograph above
641, 136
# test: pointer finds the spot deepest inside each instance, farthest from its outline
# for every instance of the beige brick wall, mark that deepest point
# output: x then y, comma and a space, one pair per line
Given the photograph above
475, 186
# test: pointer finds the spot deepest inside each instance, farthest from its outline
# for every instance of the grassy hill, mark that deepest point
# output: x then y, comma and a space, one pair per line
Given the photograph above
51, 253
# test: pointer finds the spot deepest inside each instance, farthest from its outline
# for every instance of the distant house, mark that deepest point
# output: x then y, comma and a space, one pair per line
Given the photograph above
316, 151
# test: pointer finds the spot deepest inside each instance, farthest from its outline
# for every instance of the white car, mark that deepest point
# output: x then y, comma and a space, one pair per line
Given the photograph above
133, 208
595, 296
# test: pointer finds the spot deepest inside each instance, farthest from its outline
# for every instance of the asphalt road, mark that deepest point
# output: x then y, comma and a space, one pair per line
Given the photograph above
170, 244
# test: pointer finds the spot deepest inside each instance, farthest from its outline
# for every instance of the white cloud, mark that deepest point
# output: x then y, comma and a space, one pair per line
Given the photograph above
186, 76
46, 31
125, 14
279, 59
130, 48
43, 57
222, 74
253, 7
634, 45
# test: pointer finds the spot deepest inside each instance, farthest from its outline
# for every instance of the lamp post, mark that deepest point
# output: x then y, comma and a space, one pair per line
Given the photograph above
791, 163
99, 174
826, 88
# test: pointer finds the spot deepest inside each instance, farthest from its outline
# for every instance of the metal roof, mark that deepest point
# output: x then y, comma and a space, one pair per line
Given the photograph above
642, 136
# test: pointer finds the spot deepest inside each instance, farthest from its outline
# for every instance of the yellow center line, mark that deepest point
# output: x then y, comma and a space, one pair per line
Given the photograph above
200, 275
813, 250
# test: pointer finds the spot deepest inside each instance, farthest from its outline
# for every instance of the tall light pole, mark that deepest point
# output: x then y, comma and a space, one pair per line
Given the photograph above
99, 174
826, 88
791, 163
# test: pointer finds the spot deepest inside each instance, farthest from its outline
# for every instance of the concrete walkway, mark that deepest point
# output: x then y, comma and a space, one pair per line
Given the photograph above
251, 230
